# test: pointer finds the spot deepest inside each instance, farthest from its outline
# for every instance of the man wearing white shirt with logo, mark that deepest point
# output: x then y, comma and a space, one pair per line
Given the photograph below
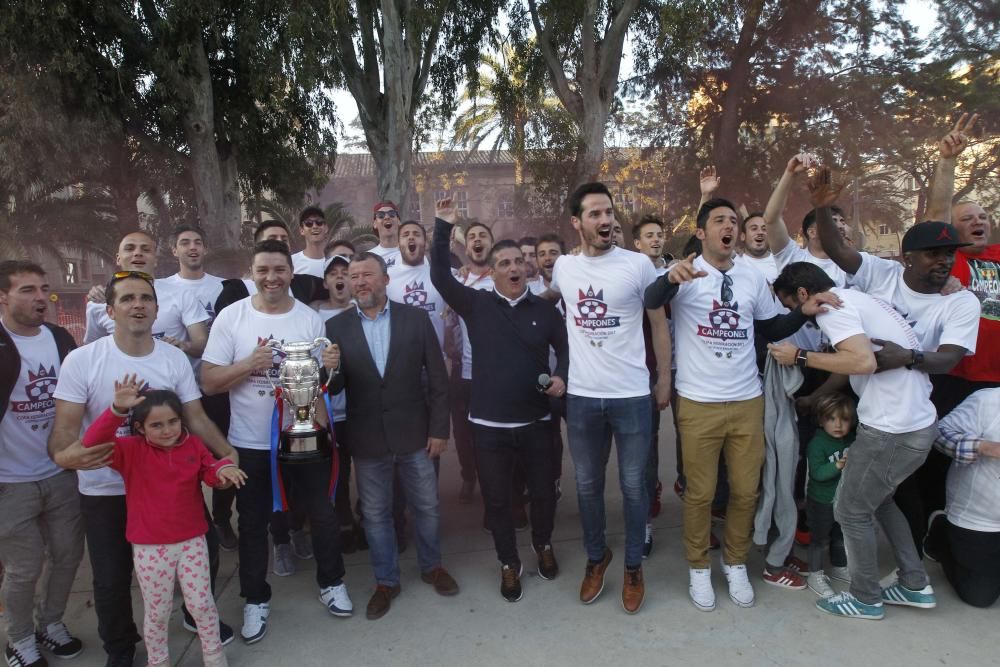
608, 390
239, 359
385, 222
717, 305
188, 247
312, 226
411, 277
756, 252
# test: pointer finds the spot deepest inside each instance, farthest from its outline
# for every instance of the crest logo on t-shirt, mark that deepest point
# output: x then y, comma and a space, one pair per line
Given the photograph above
39, 389
389, 262
414, 294
593, 310
724, 322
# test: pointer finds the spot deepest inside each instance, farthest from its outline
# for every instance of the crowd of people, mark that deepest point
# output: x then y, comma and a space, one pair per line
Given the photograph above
805, 383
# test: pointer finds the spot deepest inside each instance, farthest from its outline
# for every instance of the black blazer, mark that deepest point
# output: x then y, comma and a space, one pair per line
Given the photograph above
394, 414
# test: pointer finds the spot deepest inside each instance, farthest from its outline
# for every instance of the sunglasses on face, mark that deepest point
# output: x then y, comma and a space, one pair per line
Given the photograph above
727, 288
313, 222
381, 215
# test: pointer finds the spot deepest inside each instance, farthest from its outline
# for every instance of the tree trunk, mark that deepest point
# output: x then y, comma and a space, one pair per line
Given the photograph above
590, 149
213, 175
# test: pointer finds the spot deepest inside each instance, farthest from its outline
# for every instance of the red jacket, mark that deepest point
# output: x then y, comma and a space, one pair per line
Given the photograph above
162, 485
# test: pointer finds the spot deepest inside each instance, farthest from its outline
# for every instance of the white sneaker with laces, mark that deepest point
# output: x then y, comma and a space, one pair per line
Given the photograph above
700, 589
255, 621
337, 601
284, 566
740, 589
819, 584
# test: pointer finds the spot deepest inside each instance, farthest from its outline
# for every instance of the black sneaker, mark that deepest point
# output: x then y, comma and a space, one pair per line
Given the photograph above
227, 537
226, 634
57, 640
123, 659
25, 654
548, 568
510, 583
647, 542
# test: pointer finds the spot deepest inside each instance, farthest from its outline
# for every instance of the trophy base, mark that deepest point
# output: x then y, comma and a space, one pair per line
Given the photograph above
305, 447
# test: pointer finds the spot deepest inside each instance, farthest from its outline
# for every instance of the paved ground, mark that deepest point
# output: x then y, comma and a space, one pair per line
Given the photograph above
549, 626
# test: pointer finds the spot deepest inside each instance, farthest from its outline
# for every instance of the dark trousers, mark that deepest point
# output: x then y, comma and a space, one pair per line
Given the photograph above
283, 524
825, 533
342, 501
969, 559
458, 395
653, 466
307, 486
498, 451
104, 520
557, 408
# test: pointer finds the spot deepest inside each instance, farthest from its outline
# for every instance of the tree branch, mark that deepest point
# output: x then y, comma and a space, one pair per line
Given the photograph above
543, 39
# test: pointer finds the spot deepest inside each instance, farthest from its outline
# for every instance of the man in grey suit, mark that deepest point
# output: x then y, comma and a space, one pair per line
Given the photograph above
391, 366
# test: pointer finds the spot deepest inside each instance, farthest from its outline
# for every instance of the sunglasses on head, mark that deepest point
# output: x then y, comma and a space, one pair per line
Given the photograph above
122, 275
386, 214
313, 222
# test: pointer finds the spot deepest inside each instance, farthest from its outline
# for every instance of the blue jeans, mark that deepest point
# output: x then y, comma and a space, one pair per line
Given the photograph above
591, 423
375, 489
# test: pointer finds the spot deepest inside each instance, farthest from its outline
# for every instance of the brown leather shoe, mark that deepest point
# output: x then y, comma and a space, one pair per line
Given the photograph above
441, 581
593, 579
381, 600
633, 590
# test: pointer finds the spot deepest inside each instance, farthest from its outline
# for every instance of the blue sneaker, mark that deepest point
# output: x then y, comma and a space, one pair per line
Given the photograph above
899, 594
846, 605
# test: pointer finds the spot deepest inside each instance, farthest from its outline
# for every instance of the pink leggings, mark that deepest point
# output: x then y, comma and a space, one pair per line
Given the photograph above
156, 566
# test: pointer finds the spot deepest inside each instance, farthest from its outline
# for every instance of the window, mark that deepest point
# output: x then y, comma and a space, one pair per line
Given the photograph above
72, 273
626, 199
414, 205
883, 230
462, 203
505, 205
908, 183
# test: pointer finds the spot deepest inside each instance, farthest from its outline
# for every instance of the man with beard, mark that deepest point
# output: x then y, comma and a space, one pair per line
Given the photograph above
549, 248
478, 243
385, 222
312, 226
531, 274
180, 320
756, 252
717, 306
411, 278
240, 360
609, 388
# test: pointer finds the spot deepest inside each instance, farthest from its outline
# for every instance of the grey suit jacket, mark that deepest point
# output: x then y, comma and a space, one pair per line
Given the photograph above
394, 414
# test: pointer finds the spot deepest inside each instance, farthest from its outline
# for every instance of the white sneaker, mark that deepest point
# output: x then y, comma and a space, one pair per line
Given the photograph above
700, 589
284, 566
255, 621
819, 584
302, 545
841, 573
740, 590
336, 599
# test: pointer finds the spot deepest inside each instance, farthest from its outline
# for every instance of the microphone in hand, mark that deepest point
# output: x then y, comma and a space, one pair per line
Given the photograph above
544, 382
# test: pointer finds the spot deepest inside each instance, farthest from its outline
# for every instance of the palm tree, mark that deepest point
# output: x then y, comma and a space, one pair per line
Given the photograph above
340, 222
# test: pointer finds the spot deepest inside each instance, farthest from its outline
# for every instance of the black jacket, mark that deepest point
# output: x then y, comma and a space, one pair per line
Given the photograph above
10, 360
306, 288
510, 346
394, 414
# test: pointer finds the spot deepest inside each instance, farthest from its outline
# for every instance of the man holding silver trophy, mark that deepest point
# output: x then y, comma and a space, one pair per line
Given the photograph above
261, 351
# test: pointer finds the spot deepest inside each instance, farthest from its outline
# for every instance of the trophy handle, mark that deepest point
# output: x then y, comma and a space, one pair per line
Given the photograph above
321, 340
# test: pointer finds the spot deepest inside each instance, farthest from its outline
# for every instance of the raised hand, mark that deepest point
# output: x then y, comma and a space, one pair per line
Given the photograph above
801, 162
684, 271
817, 303
445, 209
96, 294
823, 188
708, 181
953, 143
127, 393
231, 476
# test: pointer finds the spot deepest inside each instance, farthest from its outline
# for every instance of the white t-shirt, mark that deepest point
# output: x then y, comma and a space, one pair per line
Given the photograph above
390, 255
766, 265
603, 296
206, 290
302, 264
896, 401
716, 361
237, 332
973, 489
88, 377
338, 402
937, 319
27, 422
412, 285
795, 253
484, 281
177, 309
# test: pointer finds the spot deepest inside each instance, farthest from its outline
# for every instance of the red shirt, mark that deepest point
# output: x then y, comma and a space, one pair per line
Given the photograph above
162, 485
981, 275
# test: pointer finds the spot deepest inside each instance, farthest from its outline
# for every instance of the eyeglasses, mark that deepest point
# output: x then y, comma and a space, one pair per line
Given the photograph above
386, 214
122, 275
313, 222
727, 288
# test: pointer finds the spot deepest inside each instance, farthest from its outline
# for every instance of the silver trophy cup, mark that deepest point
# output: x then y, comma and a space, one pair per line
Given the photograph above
298, 375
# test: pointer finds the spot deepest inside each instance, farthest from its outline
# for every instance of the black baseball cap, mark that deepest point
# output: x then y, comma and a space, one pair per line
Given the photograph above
931, 234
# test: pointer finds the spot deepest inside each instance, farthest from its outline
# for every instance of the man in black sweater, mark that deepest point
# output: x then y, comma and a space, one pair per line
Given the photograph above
510, 330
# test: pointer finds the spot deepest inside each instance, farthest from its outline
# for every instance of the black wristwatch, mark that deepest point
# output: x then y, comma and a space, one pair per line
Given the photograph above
916, 358
801, 357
